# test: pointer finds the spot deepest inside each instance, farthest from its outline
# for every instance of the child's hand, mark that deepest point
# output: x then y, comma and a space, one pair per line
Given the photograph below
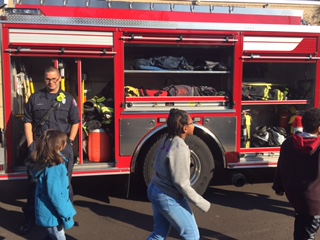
279, 193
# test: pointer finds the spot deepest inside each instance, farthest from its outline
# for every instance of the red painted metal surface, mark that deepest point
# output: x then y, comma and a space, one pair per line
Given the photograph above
143, 15
276, 45
308, 45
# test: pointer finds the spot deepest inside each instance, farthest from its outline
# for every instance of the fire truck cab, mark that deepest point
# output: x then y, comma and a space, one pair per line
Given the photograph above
257, 69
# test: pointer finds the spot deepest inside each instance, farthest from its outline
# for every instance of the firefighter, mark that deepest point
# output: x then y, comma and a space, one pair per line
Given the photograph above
65, 117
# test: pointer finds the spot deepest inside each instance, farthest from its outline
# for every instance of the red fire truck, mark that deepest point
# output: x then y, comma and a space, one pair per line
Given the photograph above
260, 67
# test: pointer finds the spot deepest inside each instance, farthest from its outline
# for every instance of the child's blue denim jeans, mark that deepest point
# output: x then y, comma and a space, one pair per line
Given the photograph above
168, 212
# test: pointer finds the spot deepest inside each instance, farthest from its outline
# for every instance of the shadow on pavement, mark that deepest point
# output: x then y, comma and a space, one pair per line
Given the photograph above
13, 194
139, 220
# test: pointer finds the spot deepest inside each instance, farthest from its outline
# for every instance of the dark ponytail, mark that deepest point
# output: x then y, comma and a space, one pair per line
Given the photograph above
176, 121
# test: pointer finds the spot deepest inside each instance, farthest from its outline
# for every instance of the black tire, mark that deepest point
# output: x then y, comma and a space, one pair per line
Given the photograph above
202, 163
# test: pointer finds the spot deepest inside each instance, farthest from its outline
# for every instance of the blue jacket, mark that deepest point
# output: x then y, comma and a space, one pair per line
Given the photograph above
53, 205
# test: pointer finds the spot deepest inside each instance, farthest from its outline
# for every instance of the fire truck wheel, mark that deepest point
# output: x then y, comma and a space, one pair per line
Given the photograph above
201, 167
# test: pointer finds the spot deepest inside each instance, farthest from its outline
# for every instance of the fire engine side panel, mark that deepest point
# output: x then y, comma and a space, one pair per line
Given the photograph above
118, 95
287, 45
317, 86
23, 35
237, 76
8, 109
225, 130
130, 129
2, 103
131, 133
56, 37
171, 14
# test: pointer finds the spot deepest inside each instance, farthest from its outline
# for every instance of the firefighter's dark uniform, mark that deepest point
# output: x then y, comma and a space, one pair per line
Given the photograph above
62, 118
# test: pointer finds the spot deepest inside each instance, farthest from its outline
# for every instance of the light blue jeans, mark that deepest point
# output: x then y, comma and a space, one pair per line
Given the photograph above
168, 212
54, 233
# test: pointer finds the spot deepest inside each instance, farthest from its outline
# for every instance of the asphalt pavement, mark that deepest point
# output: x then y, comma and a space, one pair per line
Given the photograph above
104, 211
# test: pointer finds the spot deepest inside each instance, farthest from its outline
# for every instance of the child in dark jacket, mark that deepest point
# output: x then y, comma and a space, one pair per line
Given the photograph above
297, 175
53, 208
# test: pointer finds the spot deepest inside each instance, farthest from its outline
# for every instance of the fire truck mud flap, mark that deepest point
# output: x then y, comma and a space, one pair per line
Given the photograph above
201, 167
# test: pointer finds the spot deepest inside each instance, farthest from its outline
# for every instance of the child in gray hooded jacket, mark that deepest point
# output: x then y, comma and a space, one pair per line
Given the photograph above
170, 188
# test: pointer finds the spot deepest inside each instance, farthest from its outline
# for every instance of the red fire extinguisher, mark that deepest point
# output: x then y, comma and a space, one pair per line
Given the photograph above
284, 119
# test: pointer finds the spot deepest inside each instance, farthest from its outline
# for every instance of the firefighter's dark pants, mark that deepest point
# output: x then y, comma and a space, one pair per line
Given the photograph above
306, 227
29, 208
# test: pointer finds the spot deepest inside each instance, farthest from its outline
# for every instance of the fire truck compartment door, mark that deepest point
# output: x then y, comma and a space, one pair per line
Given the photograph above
287, 45
225, 130
131, 133
21, 37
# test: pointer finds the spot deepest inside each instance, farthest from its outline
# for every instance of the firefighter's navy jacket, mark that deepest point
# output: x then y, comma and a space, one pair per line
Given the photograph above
63, 117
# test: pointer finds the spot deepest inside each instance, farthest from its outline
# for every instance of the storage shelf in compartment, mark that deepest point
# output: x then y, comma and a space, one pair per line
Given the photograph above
172, 71
163, 103
192, 99
257, 150
268, 102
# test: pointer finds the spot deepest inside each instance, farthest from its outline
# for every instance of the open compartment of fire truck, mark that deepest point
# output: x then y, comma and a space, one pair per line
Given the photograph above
187, 61
288, 83
283, 85
288, 89
28, 77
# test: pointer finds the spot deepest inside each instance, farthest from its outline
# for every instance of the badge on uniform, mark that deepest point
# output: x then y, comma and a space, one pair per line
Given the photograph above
61, 98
